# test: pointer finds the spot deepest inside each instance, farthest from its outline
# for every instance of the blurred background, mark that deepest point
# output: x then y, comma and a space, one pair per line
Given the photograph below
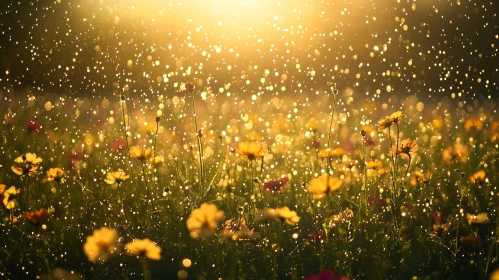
374, 49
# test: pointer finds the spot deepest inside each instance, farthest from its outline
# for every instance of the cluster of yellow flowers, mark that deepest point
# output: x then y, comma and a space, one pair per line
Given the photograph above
105, 241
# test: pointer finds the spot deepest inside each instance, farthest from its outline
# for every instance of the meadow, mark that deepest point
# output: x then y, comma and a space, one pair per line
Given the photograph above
192, 184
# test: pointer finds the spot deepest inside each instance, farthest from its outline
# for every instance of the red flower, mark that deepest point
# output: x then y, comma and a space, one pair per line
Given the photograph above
276, 185
33, 126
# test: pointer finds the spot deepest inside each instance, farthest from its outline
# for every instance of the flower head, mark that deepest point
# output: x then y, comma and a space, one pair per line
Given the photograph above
54, 174
481, 218
388, 121
276, 185
27, 165
405, 149
478, 177
144, 247
101, 244
37, 217
322, 185
9, 200
375, 167
140, 153
116, 177
287, 216
204, 220
251, 150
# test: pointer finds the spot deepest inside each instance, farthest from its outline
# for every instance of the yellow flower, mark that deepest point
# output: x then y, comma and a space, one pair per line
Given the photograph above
321, 185
478, 177
116, 177
481, 218
27, 165
405, 149
397, 116
331, 153
388, 121
145, 247
204, 220
271, 214
54, 174
287, 216
8, 201
141, 153
101, 244
29, 158
2, 188
375, 167
251, 150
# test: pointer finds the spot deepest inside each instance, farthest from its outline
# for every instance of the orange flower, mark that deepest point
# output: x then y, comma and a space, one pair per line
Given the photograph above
141, 153
322, 185
37, 217
478, 177
251, 150
404, 149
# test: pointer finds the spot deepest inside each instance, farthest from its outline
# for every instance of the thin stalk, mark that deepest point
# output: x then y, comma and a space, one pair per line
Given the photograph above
200, 145
146, 182
125, 128
154, 158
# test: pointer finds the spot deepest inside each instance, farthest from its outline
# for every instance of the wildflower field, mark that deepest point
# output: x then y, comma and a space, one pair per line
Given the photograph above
317, 140
280, 192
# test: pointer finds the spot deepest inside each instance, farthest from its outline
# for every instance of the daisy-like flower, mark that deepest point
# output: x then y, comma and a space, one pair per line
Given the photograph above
251, 150
116, 177
54, 175
101, 244
481, 218
332, 153
420, 177
144, 247
27, 165
36, 217
140, 153
397, 117
320, 186
9, 200
478, 177
375, 167
404, 149
204, 220
388, 121
287, 216
384, 123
